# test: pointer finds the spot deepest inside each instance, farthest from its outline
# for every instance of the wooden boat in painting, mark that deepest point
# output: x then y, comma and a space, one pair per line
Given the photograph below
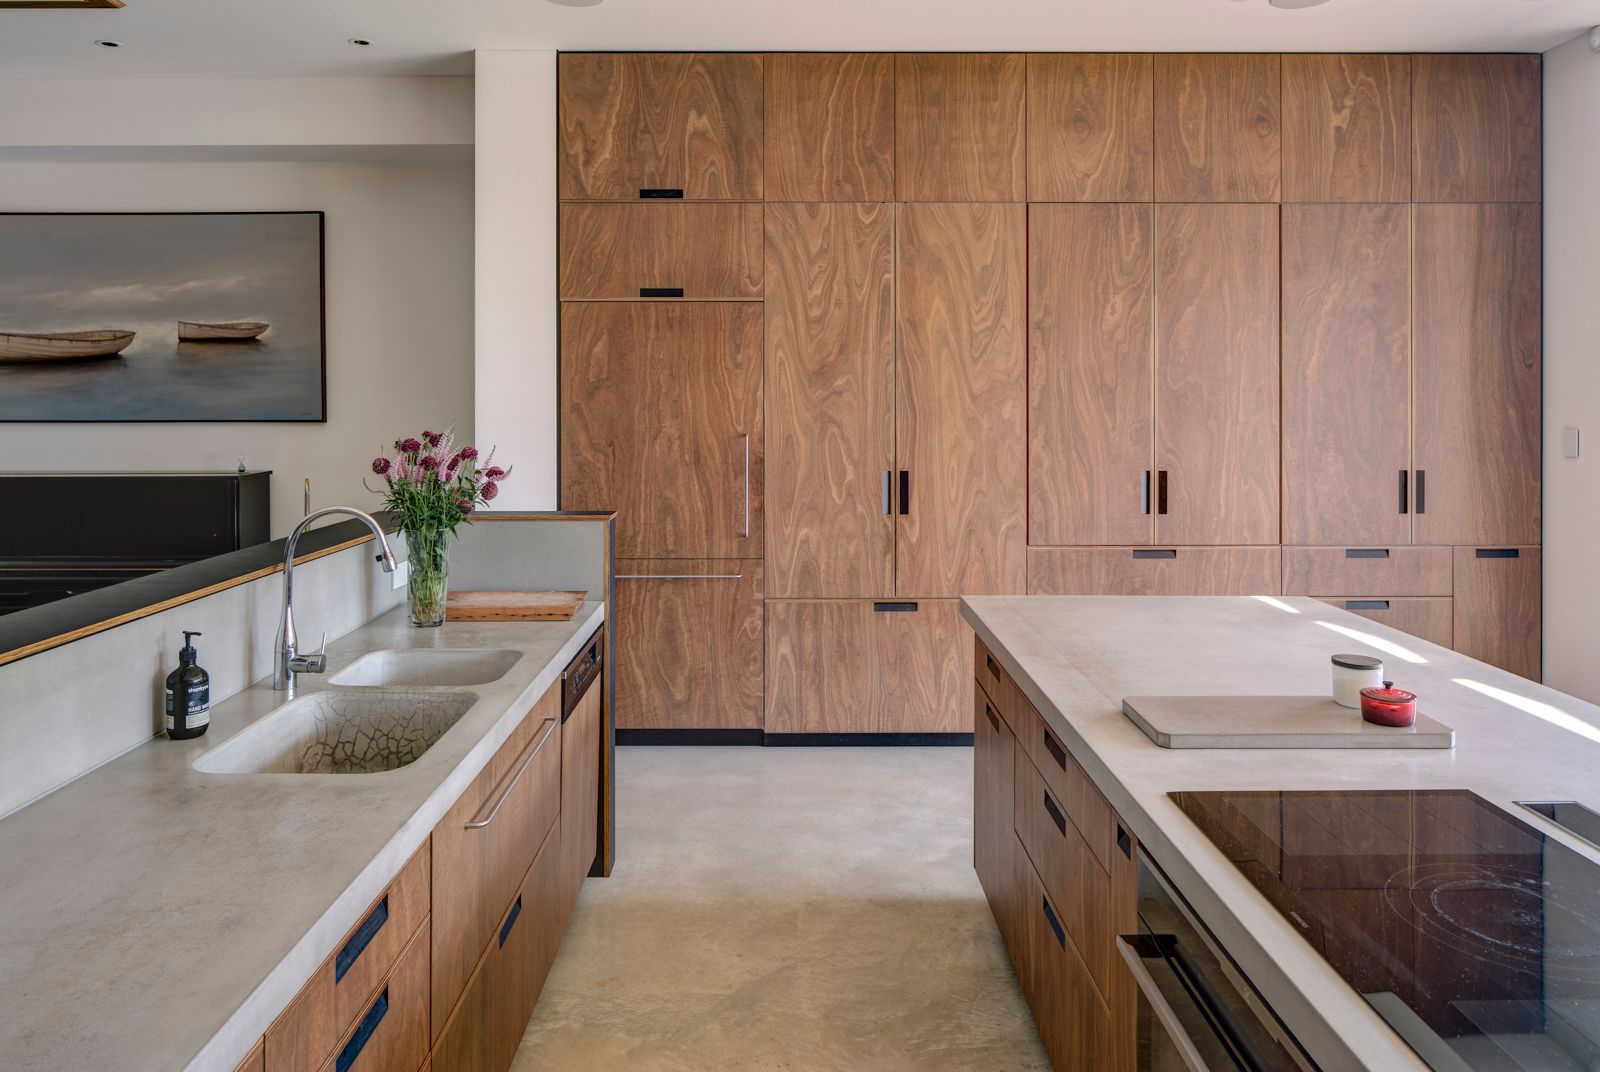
235, 331
62, 345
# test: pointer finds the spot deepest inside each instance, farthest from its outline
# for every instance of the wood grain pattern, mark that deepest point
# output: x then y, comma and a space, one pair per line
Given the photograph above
959, 127
823, 665
255, 1060
994, 753
1072, 1019
1431, 617
830, 399
1476, 372
1498, 609
1478, 127
923, 685
1217, 372
961, 399
581, 737
629, 121
1088, 811
1346, 373
830, 126
1346, 127
612, 251
1091, 426
659, 402
689, 652
1089, 127
1328, 571
1217, 128
1113, 571
513, 606
401, 1038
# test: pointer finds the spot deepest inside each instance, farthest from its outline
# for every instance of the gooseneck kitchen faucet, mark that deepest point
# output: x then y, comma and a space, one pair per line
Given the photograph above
289, 661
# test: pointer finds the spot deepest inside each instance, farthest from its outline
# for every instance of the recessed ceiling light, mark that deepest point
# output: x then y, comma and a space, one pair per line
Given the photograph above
361, 42
109, 44
1296, 3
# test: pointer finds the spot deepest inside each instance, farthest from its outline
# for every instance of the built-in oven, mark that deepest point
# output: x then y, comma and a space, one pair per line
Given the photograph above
1197, 1012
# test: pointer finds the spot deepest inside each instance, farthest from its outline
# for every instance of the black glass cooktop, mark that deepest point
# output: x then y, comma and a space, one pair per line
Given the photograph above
1473, 935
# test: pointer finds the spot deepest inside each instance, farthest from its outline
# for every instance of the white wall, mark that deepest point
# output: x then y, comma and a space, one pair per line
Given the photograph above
398, 261
517, 313
1572, 368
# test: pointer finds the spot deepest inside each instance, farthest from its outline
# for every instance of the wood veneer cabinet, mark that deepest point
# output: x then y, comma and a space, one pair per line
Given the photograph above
582, 736
1089, 127
830, 126
1477, 127
959, 127
1217, 128
1498, 607
1346, 128
1401, 571
994, 807
1432, 618
1154, 571
662, 248
636, 121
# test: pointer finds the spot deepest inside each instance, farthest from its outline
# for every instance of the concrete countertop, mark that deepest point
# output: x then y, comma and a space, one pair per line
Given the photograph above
155, 917
1076, 658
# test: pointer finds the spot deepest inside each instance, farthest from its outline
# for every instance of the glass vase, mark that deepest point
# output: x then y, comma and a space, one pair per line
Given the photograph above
428, 552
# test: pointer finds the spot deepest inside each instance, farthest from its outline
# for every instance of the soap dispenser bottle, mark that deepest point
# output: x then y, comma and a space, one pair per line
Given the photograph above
188, 695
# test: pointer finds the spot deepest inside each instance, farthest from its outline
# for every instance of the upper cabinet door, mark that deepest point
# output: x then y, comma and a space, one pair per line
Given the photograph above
830, 126
1346, 128
1346, 374
830, 408
632, 122
1477, 374
1089, 127
959, 127
1217, 128
662, 413
1477, 127
1217, 374
1090, 423
962, 395
666, 249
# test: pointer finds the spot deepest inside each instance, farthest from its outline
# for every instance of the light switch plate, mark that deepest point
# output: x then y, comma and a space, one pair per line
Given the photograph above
1569, 442
401, 574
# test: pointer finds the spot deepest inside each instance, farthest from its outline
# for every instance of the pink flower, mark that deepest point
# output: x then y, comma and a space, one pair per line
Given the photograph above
494, 472
490, 490
410, 445
428, 462
380, 465
469, 453
431, 438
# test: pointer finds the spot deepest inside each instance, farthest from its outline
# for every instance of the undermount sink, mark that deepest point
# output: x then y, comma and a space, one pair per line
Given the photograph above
340, 733
427, 666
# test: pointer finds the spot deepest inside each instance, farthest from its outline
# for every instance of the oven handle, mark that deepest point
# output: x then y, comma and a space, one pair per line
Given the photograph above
1136, 950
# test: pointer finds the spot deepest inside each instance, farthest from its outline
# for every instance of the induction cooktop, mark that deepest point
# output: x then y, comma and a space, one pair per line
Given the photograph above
1475, 936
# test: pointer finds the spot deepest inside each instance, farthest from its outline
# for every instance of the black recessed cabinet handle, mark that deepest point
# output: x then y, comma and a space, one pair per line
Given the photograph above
511, 921
1055, 815
1405, 497
660, 292
993, 721
351, 951
888, 505
994, 667
1422, 491
894, 607
1155, 553
1366, 604
1055, 924
1057, 753
905, 491
652, 193
358, 1041
1161, 491
1366, 552
1497, 552
1144, 493
1124, 842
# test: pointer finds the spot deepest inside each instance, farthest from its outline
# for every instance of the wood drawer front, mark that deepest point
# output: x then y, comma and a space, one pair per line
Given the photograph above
580, 795
1077, 883
483, 1033
513, 804
994, 771
1154, 571
390, 1033
1395, 571
1429, 618
994, 681
625, 251
1069, 785
255, 1060
1072, 1019
303, 1036
1498, 607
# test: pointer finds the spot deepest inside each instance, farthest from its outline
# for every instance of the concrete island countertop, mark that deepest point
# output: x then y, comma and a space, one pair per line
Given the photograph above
155, 917
1076, 657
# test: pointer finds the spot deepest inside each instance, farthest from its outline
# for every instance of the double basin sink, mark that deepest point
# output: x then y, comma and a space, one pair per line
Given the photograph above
385, 710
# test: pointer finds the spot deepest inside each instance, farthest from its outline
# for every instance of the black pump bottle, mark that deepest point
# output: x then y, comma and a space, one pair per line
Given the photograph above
188, 695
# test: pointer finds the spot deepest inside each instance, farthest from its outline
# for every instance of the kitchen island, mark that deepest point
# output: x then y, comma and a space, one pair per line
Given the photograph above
1071, 660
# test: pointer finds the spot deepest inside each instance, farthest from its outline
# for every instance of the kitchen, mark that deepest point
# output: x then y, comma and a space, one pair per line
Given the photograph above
857, 402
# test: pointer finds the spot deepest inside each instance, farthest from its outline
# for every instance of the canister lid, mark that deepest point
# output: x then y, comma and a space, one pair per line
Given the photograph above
1358, 662
1390, 696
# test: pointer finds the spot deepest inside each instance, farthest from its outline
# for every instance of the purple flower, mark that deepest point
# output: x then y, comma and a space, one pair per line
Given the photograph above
469, 453
380, 465
464, 506
410, 445
431, 438
490, 490
494, 472
428, 462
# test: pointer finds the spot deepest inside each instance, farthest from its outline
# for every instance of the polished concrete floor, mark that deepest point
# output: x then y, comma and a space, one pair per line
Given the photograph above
786, 909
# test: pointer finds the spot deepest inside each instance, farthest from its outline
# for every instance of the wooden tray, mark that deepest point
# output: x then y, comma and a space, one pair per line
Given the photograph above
513, 606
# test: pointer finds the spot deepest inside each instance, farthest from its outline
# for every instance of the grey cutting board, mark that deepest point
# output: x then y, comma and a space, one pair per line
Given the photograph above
1272, 722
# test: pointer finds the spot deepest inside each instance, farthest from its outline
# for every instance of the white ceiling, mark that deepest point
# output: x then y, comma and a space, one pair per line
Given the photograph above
309, 37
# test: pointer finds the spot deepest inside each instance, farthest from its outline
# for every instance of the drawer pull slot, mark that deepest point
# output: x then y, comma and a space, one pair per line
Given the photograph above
994, 667
894, 607
351, 951
1366, 604
993, 721
1366, 552
660, 292
487, 813
1124, 842
1498, 552
1156, 554
1054, 748
358, 1041
1055, 924
1055, 815
511, 921
660, 192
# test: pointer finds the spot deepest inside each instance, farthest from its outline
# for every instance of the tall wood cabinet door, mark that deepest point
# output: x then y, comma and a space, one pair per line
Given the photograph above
1477, 377
1089, 136
959, 128
1217, 127
664, 249
1478, 127
1498, 607
994, 752
822, 666
961, 400
923, 682
661, 416
581, 736
637, 121
1346, 127
830, 126
1091, 425
1217, 374
689, 644
830, 399
1346, 374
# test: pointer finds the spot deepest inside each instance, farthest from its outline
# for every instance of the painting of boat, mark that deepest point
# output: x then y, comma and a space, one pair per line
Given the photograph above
234, 331
62, 345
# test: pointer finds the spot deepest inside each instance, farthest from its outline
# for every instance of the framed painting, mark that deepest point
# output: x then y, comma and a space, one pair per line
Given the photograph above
162, 316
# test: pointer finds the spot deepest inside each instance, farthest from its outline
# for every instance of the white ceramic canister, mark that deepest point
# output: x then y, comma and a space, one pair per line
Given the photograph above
1351, 674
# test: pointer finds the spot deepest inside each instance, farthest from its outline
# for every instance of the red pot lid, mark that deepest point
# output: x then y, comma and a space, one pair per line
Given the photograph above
1391, 696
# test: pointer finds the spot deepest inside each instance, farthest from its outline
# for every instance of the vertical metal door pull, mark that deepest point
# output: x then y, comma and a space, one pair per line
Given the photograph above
1144, 493
1404, 496
887, 507
745, 534
1422, 491
905, 491
1161, 491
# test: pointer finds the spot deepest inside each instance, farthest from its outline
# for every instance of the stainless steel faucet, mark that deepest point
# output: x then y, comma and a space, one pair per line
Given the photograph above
289, 661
